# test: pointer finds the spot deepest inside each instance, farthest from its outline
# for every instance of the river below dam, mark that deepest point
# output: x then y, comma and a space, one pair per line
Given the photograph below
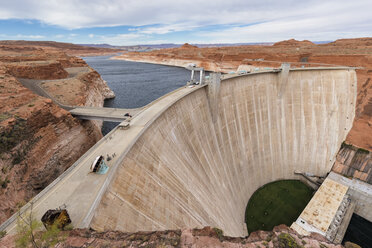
136, 84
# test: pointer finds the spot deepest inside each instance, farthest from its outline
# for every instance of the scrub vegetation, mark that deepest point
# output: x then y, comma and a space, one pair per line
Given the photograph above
279, 202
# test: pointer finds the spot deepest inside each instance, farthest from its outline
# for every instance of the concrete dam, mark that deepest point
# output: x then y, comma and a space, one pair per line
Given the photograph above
195, 158
191, 168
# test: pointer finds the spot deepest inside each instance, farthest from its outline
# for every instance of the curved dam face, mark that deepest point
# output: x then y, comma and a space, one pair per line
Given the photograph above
200, 161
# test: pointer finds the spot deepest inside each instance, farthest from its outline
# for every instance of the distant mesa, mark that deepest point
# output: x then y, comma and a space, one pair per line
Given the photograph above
187, 46
367, 41
293, 42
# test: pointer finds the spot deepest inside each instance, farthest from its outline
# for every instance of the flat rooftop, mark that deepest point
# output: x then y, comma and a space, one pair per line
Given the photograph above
320, 211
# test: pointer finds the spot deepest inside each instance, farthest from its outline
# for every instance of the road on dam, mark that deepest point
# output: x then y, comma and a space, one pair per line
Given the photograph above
80, 190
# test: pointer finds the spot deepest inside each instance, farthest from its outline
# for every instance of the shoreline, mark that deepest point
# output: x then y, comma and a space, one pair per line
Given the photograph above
182, 63
150, 61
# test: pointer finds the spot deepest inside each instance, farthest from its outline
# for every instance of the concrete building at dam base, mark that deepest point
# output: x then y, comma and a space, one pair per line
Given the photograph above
194, 157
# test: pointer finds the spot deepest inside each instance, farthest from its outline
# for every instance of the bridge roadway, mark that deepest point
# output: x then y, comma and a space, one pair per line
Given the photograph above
103, 114
82, 112
80, 190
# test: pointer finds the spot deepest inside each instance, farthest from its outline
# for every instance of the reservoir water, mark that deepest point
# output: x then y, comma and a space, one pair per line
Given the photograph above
136, 84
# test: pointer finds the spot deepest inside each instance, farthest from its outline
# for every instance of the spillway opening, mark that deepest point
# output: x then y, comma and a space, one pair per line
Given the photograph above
359, 231
275, 203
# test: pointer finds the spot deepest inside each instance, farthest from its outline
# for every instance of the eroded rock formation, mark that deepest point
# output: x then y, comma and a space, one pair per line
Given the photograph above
354, 162
38, 139
281, 236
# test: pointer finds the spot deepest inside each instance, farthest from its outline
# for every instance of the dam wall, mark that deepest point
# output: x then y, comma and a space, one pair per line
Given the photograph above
197, 165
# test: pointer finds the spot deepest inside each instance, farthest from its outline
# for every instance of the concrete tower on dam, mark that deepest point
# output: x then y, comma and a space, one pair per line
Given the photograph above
199, 162
194, 157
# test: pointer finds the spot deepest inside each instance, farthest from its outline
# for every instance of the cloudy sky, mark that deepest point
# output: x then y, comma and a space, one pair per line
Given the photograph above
130, 22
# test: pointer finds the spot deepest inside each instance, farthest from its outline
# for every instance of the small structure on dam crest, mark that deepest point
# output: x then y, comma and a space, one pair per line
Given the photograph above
193, 69
99, 166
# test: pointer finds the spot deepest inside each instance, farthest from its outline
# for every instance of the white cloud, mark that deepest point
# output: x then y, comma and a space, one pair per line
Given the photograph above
91, 35
123, 39
127, 39
22, 36
30, 36
325, 22
244, 20
91, 13
164, 29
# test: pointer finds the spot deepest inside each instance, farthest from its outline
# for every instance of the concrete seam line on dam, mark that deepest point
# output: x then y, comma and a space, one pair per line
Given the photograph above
181, 169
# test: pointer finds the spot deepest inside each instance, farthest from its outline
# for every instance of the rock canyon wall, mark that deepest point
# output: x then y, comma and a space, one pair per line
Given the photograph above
40, 140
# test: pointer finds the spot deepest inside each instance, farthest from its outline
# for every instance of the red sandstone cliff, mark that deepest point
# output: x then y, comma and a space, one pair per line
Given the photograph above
354, 162
293, 42
38, 139
69, 48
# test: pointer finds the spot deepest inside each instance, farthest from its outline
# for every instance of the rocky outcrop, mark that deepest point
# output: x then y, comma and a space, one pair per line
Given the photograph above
356, 42
187, 46
293, 42
37, 70
95, 92
281, 236
69, 48
354, 162
96, 89
39, 140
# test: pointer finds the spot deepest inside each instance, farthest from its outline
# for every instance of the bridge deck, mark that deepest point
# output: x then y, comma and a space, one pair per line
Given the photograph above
104, 114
